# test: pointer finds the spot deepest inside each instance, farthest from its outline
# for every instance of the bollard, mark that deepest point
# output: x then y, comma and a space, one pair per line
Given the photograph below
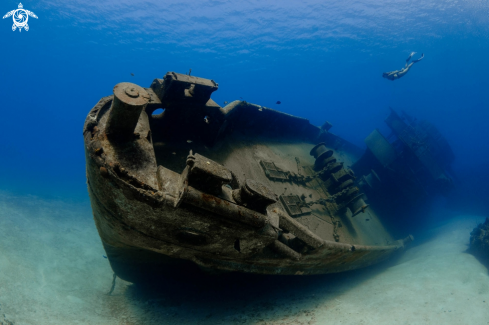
255, 196
129, 101
371, 181
357, 205
321, 153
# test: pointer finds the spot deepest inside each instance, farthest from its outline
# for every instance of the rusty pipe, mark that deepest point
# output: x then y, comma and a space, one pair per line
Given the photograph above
285, 250
223, 208
298, 230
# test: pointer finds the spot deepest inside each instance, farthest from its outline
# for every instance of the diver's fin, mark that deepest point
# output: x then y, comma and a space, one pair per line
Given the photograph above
420, 58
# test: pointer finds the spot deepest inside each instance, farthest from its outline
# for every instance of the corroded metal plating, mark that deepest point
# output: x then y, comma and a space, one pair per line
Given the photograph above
149, 214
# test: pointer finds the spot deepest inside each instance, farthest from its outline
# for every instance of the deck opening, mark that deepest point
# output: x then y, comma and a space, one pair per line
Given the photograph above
157, 113
236, 245
191, 237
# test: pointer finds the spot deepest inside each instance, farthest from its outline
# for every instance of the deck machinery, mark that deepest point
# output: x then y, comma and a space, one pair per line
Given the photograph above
236, 188
402, 173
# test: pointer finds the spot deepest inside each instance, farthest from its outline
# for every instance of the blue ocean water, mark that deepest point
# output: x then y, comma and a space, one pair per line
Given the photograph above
323, 60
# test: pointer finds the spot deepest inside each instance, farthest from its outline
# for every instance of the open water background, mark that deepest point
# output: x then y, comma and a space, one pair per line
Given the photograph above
322, 59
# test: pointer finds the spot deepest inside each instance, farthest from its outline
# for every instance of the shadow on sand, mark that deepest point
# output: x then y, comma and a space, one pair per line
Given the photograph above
243, 298
481, 257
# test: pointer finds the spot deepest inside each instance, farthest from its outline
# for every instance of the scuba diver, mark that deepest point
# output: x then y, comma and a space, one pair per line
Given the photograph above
396, 74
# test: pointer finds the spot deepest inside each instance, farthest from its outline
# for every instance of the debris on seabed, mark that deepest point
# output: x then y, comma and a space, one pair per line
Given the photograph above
114, 277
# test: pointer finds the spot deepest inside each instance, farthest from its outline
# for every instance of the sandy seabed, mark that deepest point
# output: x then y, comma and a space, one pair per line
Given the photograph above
53, 271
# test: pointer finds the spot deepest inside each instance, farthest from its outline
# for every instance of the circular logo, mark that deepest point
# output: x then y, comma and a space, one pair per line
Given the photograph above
20, 17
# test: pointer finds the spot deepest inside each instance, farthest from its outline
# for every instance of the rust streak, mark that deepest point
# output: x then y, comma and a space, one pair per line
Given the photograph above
211, 198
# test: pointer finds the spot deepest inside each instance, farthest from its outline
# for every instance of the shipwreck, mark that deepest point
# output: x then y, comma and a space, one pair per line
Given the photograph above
177, 182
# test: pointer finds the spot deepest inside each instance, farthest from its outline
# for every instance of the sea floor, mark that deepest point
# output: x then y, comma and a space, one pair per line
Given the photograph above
52, 271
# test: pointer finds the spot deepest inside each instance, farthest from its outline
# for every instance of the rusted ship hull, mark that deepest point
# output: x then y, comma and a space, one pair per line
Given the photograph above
236, 188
